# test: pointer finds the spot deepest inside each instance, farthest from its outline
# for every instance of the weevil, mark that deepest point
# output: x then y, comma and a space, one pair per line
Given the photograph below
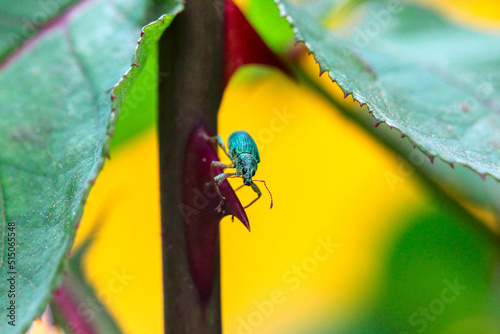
243, 153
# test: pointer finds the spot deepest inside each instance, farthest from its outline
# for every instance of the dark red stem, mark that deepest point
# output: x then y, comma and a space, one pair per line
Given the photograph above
191, 52
243, 44
68, 307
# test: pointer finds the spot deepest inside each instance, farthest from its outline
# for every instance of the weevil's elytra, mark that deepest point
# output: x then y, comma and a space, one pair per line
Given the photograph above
244, 154
241, 142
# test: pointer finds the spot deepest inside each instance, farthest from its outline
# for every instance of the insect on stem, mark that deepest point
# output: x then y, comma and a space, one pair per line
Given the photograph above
244, 155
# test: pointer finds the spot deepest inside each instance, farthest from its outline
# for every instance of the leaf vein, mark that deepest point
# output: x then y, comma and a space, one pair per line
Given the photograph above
82, 68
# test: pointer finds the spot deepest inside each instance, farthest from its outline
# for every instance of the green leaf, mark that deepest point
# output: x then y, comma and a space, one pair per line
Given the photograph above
265, 19
62, 87
436, 82
139, 111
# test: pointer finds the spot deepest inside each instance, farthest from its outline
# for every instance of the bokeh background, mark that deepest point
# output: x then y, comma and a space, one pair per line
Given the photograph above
356, 242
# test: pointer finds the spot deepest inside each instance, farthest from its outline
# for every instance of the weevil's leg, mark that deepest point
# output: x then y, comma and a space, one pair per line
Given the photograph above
217, 140
218, 164
221, 144
235, 190
221, 177
217, 181
257, 190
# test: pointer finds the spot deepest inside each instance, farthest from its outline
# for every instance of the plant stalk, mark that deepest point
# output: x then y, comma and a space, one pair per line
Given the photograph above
191, 53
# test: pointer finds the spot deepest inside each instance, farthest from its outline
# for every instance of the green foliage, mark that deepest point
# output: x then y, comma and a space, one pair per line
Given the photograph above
265, 19
56, 120
139, 110
434, 81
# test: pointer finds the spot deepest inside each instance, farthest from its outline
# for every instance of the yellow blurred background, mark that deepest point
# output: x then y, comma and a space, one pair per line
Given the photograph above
329, 183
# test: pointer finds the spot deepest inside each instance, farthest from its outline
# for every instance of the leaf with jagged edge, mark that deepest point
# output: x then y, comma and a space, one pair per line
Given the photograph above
436, 82
65, 70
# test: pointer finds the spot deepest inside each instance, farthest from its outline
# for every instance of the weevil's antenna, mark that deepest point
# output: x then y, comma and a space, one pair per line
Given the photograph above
265, 185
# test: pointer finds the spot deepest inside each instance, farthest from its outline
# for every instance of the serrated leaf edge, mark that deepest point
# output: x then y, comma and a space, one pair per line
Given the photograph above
379, 118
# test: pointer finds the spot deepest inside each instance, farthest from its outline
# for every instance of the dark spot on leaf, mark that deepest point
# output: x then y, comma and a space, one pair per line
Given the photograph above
464, 106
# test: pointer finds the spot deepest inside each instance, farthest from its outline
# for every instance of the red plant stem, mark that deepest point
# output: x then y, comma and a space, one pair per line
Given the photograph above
243, 45
191, 52
68, 306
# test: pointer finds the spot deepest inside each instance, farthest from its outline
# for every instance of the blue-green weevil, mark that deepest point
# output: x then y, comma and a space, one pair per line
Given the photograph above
244, 155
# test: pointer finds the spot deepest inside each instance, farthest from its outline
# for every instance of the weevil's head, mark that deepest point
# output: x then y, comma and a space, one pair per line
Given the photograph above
246, 167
